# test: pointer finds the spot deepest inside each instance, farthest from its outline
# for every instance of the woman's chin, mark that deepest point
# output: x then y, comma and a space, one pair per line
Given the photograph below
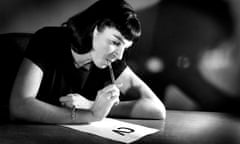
102, 65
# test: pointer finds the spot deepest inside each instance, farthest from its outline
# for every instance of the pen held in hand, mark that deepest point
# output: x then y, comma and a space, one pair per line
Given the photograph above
111, 73
112, 78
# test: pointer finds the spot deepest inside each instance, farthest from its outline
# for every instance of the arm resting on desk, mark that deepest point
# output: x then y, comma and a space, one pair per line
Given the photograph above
145, 104
24, 105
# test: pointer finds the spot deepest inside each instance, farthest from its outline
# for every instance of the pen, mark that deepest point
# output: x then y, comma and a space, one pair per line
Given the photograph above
111, 73
112, 78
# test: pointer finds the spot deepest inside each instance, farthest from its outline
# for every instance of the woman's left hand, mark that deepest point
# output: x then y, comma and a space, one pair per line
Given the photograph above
75, 100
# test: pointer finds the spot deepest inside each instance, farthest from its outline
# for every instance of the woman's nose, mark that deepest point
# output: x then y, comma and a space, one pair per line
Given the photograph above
120, 53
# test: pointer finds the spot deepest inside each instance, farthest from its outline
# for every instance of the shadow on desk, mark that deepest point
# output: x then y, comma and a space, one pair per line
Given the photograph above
180, 127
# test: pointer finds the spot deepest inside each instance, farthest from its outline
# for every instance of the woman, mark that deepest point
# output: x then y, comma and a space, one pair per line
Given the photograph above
66, 75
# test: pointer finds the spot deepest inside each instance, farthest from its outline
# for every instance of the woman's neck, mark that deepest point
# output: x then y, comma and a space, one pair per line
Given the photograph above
81, 60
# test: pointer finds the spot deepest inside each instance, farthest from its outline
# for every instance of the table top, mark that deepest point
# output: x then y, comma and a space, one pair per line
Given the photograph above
180, 127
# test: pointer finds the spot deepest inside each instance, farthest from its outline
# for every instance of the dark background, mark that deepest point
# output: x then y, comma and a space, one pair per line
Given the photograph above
188, 52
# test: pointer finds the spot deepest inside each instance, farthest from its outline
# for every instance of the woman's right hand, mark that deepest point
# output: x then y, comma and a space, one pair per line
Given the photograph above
104, 101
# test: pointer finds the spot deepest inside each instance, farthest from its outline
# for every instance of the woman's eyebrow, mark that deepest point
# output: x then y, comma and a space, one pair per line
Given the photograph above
119, 38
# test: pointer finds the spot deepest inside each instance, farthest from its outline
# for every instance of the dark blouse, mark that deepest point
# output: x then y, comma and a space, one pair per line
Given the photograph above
50, 50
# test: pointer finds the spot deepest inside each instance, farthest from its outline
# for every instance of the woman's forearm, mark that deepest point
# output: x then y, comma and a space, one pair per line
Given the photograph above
143, 108
31, 109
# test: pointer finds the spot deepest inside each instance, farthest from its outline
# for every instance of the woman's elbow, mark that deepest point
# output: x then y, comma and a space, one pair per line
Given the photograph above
15, 108
160, 111
155, 110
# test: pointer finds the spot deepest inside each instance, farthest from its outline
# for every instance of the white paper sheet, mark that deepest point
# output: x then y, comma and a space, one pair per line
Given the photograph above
115, 129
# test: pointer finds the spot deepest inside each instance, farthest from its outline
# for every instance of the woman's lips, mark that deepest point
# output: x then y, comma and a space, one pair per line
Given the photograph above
112, 57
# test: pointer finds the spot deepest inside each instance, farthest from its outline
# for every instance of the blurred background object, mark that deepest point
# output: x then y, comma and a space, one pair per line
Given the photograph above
192, 46
188, 52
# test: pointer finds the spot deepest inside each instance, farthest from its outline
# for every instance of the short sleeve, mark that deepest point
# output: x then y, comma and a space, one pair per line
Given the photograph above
38, 50
46, 46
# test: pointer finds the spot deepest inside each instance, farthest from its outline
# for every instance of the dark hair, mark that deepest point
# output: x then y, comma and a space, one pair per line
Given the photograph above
114, 13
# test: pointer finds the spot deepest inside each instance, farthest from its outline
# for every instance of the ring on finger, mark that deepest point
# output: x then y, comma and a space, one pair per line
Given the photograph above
111, 95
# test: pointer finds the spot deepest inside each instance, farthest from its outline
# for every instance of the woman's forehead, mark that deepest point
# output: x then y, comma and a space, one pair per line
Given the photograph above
113, 32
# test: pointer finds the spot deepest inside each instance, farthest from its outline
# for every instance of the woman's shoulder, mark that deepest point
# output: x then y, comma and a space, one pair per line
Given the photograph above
49, 36
53, 31
47, 46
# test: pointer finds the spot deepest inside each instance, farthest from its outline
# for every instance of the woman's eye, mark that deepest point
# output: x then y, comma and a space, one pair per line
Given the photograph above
116, 43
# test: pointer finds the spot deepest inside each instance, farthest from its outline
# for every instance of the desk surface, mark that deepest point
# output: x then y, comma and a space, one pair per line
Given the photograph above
180, 127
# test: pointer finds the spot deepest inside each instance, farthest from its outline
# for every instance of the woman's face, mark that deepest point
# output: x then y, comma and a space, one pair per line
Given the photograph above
108, 46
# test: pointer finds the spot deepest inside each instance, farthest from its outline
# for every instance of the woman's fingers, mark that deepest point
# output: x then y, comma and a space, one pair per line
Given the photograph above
111, 90
111, 93
68, 100
67, 104
68, 97
63, 99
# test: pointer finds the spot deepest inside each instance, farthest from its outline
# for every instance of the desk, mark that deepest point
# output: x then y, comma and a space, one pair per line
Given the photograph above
180, 127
